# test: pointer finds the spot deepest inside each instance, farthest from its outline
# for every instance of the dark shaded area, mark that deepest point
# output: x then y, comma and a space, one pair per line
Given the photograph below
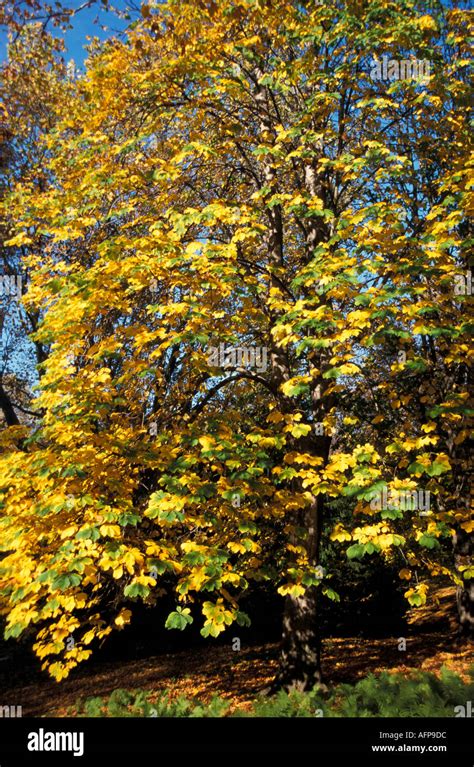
363, 617
215, 669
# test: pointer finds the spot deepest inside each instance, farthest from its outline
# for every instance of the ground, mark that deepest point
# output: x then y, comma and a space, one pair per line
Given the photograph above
240, 676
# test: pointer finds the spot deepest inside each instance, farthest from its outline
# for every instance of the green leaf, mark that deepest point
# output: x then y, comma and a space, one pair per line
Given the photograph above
331, 594
242, 619
136, 590
437, 468
391, 514
371, 548
66, 581
416, 468
415, 600
179, 619
15, 630
428, 541
88, 533
355, 551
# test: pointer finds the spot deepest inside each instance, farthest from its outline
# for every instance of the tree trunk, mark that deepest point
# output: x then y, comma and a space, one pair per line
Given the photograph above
460, 458
300, 655
462, 545
300, 650
7, 408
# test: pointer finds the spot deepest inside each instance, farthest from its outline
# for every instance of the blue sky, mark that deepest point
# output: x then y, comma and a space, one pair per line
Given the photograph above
87, 23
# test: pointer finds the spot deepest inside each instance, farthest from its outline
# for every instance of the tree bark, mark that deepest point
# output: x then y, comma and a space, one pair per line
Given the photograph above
7, 408
300, 654
462, 545
460, 458
300, 658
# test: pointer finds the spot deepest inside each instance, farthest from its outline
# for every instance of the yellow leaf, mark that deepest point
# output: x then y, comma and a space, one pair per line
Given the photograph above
112, 531
59, 671
340, 534
275, 417
468, 526
206, 442
123, 618
293, 589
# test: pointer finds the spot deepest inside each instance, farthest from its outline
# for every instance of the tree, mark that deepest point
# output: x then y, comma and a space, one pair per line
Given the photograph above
33, 85
233, 176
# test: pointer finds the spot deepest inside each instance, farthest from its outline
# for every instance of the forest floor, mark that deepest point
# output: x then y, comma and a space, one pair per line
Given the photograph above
240, 676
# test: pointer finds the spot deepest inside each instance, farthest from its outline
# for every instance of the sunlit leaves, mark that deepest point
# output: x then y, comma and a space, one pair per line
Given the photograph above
197, 195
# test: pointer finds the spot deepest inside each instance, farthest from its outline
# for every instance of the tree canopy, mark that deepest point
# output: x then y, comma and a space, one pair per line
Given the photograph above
246, 268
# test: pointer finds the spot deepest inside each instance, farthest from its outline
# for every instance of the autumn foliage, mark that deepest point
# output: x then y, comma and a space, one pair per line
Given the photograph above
232, 174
